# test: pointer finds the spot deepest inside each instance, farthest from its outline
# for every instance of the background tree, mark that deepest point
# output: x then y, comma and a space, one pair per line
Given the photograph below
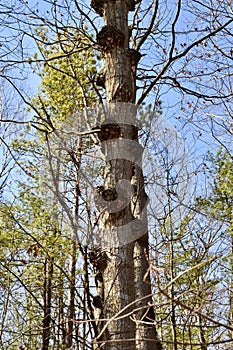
49, 261
218, 206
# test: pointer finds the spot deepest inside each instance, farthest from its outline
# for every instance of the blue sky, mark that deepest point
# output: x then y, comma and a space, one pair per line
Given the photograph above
193, 124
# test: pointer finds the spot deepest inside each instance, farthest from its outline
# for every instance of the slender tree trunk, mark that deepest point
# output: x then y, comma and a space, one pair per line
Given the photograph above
61, 334
4, 312
171, 262
231, 280
47, 290
71, 298
73, 259
202, 336
124, 261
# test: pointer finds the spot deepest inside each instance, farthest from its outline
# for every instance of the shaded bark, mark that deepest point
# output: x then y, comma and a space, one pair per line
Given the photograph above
146, 335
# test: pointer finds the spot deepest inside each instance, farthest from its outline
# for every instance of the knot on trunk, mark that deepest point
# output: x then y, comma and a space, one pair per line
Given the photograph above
99, 278
100, 81
105, 198
131, 4
98, 259
109, 194
98, 5
97, 302
112, 129
109, 130
134, 56
109, 37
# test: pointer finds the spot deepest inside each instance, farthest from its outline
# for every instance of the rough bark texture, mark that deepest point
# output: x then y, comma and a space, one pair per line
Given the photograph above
122, 265
145, 335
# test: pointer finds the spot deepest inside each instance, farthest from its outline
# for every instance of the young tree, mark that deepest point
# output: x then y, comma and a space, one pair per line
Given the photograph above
37, 232
217, 205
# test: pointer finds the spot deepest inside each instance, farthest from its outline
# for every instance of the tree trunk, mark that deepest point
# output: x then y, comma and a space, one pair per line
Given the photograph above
71, 299
123, 257
146, 335
47, 291
73, 259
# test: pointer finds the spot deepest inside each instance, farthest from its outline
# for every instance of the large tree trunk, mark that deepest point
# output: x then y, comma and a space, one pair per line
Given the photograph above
123, 258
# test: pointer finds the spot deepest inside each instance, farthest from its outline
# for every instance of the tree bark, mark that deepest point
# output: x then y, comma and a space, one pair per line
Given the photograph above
73, 258
145, 335
47, 291
124, 257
